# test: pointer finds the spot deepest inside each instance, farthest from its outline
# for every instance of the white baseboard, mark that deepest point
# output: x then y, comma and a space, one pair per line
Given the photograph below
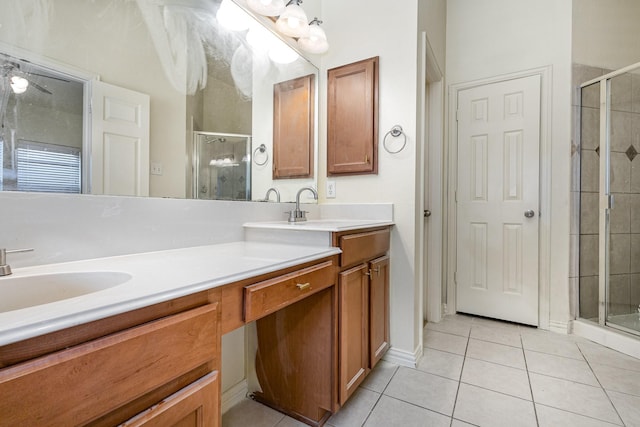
402, 357
234, 395
559, 327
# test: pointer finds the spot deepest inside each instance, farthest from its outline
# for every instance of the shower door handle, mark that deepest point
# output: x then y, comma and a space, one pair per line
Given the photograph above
529, 214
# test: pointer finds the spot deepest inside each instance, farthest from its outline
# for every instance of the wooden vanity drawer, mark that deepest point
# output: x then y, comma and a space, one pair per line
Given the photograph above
271, 295
88, 381
360, 247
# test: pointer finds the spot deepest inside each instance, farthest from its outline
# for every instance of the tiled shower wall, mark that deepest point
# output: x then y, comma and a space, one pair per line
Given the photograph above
625, 186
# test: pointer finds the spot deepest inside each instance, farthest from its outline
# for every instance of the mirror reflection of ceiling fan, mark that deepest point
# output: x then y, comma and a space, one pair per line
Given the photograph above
20, 80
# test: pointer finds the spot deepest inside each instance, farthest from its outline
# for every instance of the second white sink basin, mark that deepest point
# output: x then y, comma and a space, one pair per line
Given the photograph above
29, 291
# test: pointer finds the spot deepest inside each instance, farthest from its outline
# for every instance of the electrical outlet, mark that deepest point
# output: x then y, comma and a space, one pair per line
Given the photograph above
331, 189
156, 168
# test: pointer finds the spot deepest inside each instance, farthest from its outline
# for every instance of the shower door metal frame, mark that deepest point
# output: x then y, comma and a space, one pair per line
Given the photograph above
606, 200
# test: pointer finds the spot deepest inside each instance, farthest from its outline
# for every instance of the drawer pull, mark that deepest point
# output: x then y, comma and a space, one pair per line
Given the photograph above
303, 286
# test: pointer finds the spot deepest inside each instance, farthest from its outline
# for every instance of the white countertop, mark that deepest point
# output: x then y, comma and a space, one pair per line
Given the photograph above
155, 277
329, 225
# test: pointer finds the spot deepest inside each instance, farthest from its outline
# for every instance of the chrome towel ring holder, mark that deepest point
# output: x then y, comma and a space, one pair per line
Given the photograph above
263, 150
395, 132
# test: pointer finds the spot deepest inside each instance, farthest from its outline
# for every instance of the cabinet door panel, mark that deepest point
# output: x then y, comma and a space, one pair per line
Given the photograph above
193, 406
352, 118
353, 289
92, 379
378, 309
293, 128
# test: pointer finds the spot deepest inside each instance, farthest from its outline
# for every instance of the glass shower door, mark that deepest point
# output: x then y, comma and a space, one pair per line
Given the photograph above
622, 218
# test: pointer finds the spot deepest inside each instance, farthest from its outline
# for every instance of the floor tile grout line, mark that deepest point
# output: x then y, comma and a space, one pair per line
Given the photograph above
455, 400
582, 415
601, 386
554, 354
533, 398
495, 391
417, 406
380, 395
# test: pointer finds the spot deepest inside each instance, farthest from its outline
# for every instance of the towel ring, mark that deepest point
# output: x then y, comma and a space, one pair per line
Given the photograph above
395, 132
262, 149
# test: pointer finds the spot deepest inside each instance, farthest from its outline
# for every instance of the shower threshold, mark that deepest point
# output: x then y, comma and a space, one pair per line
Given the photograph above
629, 323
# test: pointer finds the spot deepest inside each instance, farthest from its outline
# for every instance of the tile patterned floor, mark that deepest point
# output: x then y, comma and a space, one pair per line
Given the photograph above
479, 372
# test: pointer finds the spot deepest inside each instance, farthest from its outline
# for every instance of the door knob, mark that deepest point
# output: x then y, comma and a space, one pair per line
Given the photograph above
529, 214
427, 213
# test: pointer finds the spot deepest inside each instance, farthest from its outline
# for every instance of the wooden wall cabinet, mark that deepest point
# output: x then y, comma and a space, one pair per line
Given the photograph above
352, 119
363, 287
293, 128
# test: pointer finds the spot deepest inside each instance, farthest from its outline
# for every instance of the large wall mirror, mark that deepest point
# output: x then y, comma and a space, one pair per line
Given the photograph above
160, 98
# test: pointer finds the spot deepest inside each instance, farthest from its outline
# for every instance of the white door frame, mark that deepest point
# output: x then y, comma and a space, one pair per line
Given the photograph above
545, 187
431, 181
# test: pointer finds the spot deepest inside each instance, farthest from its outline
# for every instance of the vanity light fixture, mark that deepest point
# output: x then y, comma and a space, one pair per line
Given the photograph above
19, 84
293, 21
232, 17
281, 53
267, 7
316, 40
260, 38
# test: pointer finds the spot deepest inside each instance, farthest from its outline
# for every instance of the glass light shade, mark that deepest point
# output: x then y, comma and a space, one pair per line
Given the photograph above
19, 84
281, 53
231, 16
267, 7
259, 38
293, 22
315, 41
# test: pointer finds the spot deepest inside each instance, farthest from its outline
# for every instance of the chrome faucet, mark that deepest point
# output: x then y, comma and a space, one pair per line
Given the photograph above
5, 269
272, 190
298, 215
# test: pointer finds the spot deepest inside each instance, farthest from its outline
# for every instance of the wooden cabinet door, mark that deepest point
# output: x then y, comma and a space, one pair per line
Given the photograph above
194, 406
293, 128
378, 309
354, 336
352, 121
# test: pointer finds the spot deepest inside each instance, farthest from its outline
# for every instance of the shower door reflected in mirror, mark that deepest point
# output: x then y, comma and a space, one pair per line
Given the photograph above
222, 166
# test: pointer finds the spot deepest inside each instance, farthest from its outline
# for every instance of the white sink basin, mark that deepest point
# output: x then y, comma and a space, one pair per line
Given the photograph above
29, 291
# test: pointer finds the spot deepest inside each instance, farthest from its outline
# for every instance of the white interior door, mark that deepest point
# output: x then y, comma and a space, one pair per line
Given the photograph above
119, 141
498, 200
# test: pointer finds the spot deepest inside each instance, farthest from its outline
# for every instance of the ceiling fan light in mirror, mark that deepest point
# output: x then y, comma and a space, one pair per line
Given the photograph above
316, 40
231, 16
19, 84
267, 7
293, 21
281, 53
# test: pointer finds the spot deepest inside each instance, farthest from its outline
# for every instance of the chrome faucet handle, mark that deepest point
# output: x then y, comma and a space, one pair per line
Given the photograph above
5, 269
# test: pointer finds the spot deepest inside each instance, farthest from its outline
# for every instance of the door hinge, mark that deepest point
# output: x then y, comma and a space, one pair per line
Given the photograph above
457, 115
455, 277
455, 196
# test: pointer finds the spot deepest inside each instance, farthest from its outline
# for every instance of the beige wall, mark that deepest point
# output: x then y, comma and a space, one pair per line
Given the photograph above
606, 33
391, 33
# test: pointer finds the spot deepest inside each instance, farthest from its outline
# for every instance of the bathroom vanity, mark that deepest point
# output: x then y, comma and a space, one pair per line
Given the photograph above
148, 351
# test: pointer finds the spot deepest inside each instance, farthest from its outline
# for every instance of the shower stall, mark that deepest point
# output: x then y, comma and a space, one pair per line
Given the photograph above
609, 213
221, 166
